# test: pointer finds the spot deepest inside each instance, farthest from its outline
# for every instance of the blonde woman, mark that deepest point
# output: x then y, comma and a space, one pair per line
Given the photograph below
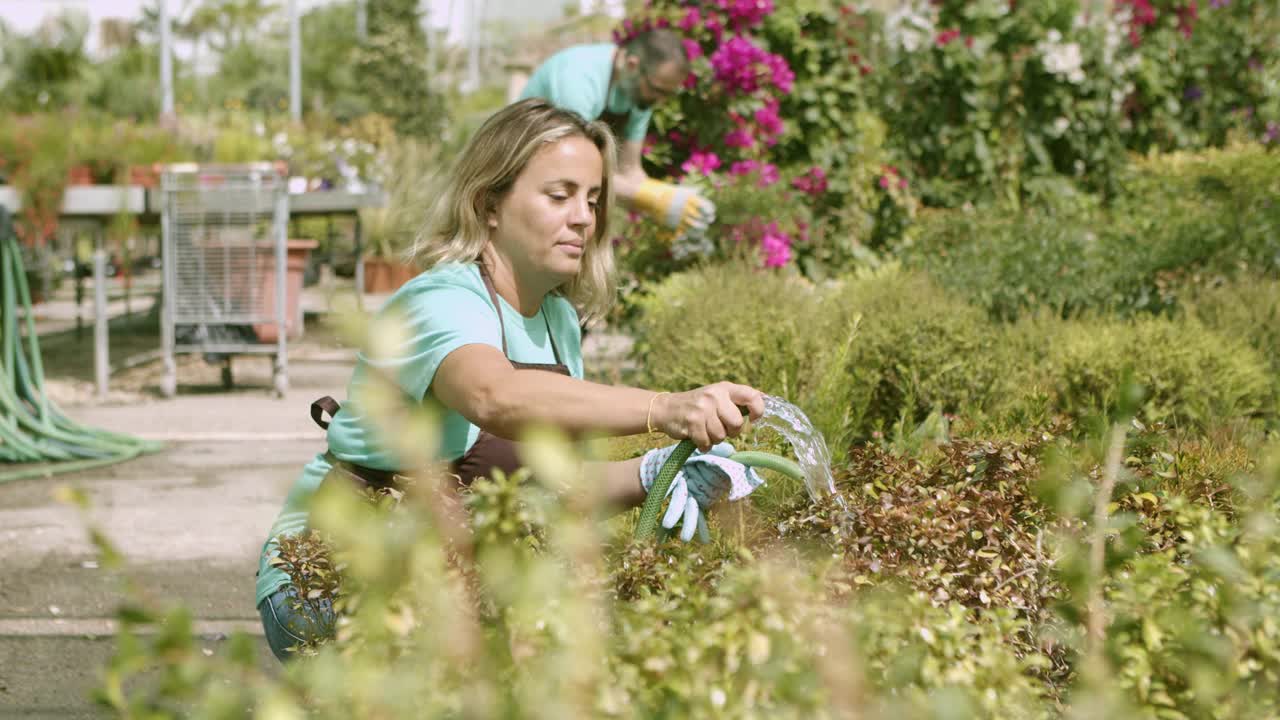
515, 253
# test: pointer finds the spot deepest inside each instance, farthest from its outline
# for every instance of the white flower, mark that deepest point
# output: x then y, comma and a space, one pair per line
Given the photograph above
909, 27
718, 697
1061, 125
1062, 59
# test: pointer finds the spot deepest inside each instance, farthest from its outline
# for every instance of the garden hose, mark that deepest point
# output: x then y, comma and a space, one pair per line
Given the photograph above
647, 527
33, 431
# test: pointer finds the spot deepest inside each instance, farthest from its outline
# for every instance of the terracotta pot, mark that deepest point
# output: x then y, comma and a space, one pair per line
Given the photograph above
383, 276
79, 175
144, 175
296, 265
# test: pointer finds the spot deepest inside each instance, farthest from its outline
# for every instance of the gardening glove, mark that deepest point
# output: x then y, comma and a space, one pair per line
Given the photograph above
682, 209
705, 479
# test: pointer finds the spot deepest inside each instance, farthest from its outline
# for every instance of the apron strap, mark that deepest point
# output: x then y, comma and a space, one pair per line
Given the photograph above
324, 405
502, 328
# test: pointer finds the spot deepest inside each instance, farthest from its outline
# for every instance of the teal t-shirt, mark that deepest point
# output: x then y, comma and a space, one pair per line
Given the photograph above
577, 79
440, 310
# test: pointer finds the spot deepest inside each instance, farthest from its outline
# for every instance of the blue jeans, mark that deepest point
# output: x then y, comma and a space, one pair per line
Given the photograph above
287, 627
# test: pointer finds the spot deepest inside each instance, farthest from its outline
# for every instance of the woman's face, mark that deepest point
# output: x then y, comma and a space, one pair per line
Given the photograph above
542, 226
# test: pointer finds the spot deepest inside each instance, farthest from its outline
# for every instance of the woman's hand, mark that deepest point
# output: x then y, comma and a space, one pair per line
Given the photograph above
708, 414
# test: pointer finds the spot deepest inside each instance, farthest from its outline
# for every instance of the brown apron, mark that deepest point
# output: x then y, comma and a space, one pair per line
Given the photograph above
488, 452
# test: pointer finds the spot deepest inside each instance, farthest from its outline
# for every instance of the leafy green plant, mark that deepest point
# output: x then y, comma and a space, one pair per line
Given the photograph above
1180, 219
917, 349
1248, 308
765, 329
1190, 375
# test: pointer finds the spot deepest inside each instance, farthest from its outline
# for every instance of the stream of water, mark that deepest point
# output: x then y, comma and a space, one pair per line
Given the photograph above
807, 444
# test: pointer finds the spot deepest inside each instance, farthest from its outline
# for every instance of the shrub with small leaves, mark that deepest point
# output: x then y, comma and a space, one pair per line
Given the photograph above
1190, 375
917, 349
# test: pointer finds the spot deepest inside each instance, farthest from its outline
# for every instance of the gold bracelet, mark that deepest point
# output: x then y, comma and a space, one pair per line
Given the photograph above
648, 420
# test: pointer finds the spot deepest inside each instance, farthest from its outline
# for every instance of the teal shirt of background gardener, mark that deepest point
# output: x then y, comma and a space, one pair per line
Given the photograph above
577, 79
441, 310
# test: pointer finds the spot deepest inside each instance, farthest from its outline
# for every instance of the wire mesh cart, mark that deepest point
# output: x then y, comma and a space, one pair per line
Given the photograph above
225, 260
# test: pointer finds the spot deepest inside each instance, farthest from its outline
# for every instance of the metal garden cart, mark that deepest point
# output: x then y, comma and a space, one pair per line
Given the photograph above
224, 233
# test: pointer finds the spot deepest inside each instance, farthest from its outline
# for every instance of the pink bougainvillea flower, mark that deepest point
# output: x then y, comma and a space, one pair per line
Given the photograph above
744, 167
691, 20
715, 27
746, 13
692, 49
1187, 16
740, 65
813, 182
781, 73
775, 246
701, 161
769, 121
768, 175
740, 137
945, 37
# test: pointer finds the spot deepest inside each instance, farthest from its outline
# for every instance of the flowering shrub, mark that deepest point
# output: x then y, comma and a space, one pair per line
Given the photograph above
1213, 60
996, 91
793, 157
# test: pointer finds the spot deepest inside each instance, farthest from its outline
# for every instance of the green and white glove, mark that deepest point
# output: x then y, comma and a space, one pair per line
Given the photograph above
705, 479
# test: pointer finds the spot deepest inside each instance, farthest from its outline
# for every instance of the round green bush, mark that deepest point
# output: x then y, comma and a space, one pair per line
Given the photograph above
1248, 308
731, 322
1191, 374
917, 349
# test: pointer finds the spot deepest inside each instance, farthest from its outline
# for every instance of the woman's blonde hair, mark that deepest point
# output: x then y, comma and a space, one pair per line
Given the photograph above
456, 229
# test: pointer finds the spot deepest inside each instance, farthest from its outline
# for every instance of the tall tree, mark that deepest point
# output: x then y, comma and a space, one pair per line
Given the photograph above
392, 67
44, 68
329, 45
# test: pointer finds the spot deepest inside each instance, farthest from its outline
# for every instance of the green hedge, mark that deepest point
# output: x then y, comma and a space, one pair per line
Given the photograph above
732, 322
1247, 308
1191, 375
1179, 215
918, 349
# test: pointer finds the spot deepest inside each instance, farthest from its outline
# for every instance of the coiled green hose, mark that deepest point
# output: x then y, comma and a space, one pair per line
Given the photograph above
32, 429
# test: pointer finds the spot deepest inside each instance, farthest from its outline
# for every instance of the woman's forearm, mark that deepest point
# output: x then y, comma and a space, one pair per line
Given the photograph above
531, 397
621, 482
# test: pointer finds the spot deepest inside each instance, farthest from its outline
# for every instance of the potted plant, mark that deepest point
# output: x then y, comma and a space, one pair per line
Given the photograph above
37, 151
412, 182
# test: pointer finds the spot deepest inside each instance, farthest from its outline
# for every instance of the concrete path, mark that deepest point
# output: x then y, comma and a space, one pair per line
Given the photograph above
189, 520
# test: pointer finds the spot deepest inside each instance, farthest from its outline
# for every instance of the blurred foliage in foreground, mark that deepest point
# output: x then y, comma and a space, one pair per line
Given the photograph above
1127, 573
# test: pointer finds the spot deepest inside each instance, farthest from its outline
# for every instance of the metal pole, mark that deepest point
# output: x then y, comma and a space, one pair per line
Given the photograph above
362, 20
473, 47
295, 63
100, 372
360, 264
166, 64
281, 373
